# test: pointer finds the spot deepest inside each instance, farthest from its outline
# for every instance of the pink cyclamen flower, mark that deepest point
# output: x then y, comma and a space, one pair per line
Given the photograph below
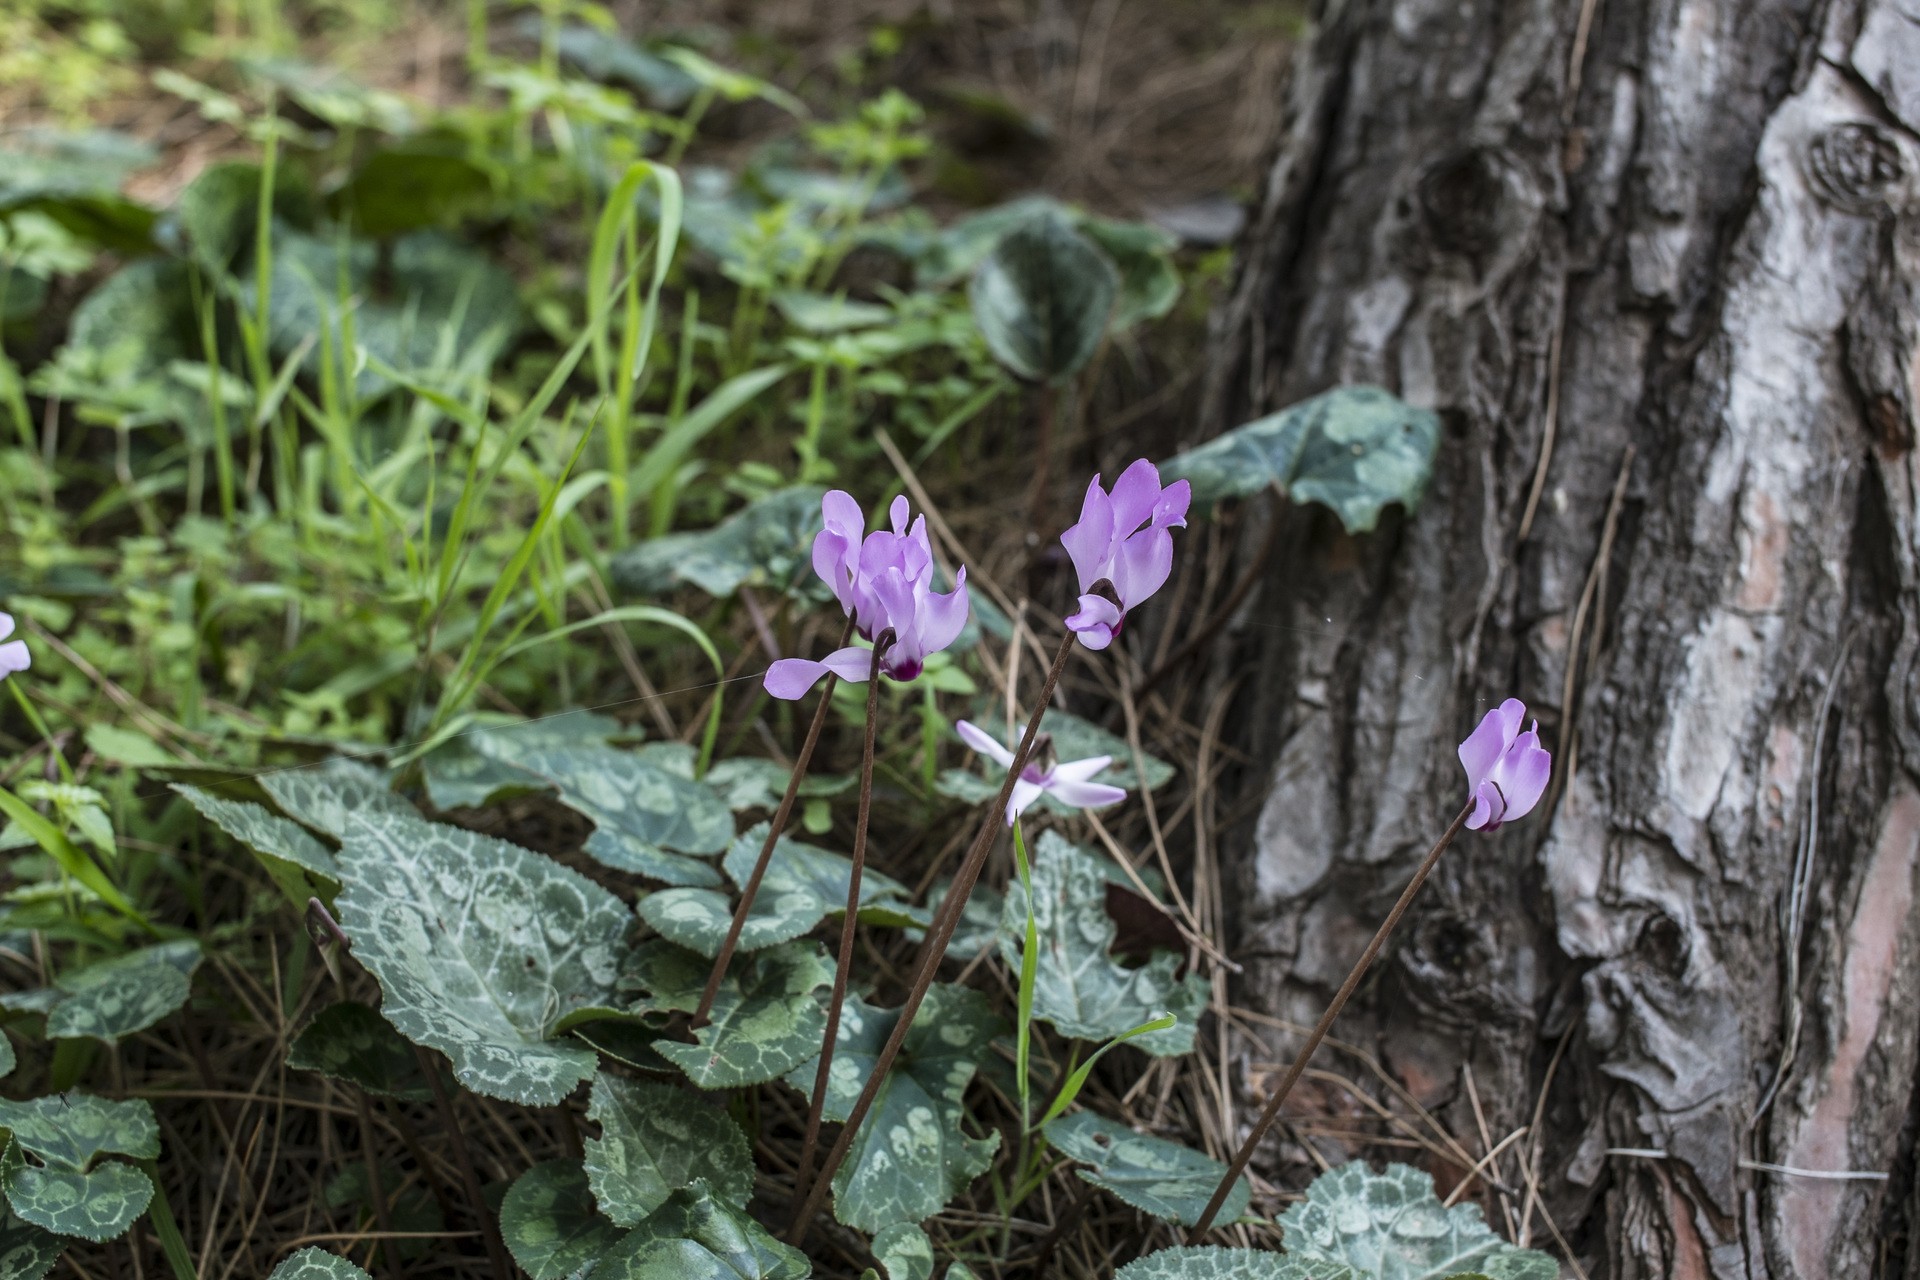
1070, 781
1110, 545
1506, 769
13, 654
884, 582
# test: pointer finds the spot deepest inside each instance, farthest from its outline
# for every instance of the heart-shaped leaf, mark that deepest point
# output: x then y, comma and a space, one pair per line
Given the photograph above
549, 1223
1042, 298
350, 1041
754, 782
1354, 450
765, 544
70, 1130
1391, 1225
481, 949
96, 1206
639, 810
1153, 1175
473, 769
27, 1252
66, 1193
767, 1016
654, 1140
1079, 987
299, 864
113, 998
325, 796
911, 1156
317, 1264
695, 1236
1210, 1262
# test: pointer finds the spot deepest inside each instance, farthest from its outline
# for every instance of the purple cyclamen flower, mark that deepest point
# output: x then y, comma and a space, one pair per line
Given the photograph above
1110, 545
884, 582
1506, 769
1070, 781
13, 654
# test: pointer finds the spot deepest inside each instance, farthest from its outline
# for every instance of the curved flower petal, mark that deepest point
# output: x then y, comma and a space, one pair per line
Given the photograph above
1089, 542
1490, 739
897, 515
1170, 512
1080, 770
790, 678
1135, 495
1024, 794
13, 656
1142, 566
1096, 621
1489, 809
939, 618
6, 625
983, 742
1086, 795
1522, 774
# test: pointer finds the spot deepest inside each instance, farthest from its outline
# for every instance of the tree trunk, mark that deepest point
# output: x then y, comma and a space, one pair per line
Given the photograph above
1657, 265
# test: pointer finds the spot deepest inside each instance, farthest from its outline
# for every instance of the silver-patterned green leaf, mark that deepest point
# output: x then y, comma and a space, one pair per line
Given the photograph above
299, 864
481, 949
27, 1252
654, 1140
550, 1225
99, 1205
473, 769
754, 782
325, 796
1153, 1175
1211, 1262
7, 1061
350, 1041
698, 919
1079, 987
765, 544
904, 1252
1354, 449
113, 998
979, 926
912, 1155
70, 1130
1042, 298
1143, 254
801, 872
645, 818
317, 1264
1391, 1226
768, 1016
695, 1236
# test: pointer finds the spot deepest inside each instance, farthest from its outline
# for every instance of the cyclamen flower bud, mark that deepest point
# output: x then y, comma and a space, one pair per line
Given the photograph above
884, 582
1507, 770
1110, 546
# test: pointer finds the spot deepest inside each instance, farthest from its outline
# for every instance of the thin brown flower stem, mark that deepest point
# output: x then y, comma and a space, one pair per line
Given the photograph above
939, 935
844, 966
780, 818
1272, 1111
476, 1202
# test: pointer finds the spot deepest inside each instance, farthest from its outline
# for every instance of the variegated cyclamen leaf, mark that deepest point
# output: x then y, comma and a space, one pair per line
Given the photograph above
299, 864
1353, 449
1391, 1226
802, 873
911, 1156
645, 818
7, 1061
1042, 298
904, 1252
654, 1140
96, 1206
117, 997
481, 949
698, 919
1079, 987
695, 1236
754, 782
350, 1041
70, 1130
472, 768
325, 796
1153, 1175
767, 1017
1211, 1262
317, 1264
550, 1225
27, 1252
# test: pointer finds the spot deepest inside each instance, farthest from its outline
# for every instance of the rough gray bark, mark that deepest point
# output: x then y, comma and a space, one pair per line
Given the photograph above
1689, 229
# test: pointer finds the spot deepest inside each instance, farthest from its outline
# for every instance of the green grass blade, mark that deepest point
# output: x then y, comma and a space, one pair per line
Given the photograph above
1071, 1089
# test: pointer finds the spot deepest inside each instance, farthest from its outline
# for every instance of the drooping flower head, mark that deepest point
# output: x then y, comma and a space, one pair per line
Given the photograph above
13, 654
1068, 781
1123, 539
1507, 770
884, 582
